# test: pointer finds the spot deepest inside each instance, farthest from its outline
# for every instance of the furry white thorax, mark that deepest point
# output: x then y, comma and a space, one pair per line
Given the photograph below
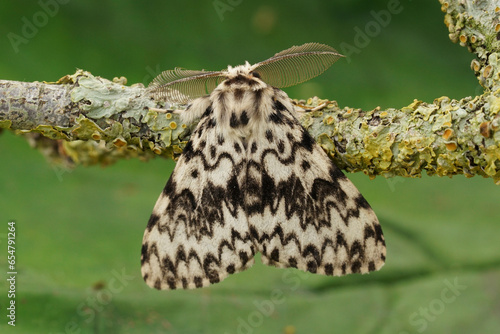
240, 97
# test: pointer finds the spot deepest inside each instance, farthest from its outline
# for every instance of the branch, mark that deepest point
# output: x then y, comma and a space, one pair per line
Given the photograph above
92, 120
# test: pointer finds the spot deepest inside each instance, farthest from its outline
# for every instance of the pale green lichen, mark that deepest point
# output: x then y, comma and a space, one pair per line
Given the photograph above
103, 99
446, 137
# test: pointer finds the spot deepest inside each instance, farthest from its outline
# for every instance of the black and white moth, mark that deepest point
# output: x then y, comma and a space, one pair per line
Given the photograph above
252, 179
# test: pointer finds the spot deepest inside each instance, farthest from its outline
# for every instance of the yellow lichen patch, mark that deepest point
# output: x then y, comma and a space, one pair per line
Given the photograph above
463, 39
495, 124
487, 71
96, 136
451, 146
71, 78
85, 127
150, 116
168, 115
317, 113
384, 165
329, 119
413, 151
424, 110
383, 114
157, 150
475, 65
427, 154
497, 27
415, 104
183, 126
447, 134
50, 132
442, 100
132, 148
496, 178
473, 39
442, 121
405, 150
121, 80
348, 113
119, 142
445, 165
448, 20
484, 129
177, 149
494, 104
173, 125
5, 124
491, 155
326, 143
379, 147
166, 137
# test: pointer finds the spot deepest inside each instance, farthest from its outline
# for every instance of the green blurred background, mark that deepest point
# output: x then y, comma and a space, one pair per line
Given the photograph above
79, 232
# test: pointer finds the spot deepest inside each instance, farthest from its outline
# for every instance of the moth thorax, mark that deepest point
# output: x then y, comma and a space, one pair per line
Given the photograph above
237, 104
238, 111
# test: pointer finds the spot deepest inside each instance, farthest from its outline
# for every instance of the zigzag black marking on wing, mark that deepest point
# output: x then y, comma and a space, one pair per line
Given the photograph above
170, 266
293, 193
285, 161
356, 250
190, 154
210, 213
285, 239
293, 189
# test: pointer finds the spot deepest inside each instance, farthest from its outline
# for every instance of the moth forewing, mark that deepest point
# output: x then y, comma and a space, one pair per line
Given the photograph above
251, 179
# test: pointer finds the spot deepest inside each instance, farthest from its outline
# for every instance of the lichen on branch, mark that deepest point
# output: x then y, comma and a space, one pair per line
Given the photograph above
84, 119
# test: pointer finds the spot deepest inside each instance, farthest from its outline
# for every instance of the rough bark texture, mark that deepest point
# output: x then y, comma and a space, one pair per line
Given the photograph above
92, 120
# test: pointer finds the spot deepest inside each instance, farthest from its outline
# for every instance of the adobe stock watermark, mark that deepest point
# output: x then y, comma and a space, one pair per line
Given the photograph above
266, 308
373, 28
93, 305
151, 74
223, 6
31, 26
429, 313
60, 170
391, 182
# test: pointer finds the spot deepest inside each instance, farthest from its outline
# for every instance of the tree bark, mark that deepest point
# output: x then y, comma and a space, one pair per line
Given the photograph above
83, 119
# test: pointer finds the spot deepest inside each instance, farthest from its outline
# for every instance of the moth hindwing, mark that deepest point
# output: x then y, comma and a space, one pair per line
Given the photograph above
251, 179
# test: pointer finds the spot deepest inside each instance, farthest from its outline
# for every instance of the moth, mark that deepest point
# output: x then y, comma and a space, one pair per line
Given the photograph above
252, 179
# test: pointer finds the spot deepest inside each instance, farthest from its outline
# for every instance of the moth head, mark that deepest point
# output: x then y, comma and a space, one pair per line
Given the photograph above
286, 68
243, 77
246, 70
